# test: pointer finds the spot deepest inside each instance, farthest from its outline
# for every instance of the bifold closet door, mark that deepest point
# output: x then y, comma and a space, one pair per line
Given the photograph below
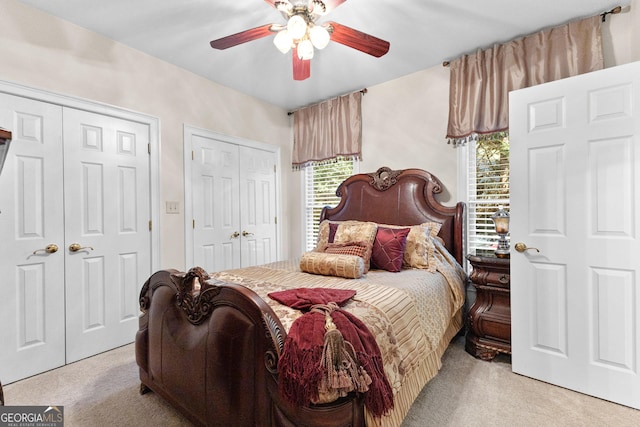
74, 231
216, 206
32, 317
257, 206
234, 203
107, 236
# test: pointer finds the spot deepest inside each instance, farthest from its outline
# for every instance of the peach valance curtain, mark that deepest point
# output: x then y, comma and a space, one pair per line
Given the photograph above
480, 82
328, 131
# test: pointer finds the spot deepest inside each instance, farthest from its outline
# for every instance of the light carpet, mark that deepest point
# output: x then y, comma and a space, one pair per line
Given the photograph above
104, 391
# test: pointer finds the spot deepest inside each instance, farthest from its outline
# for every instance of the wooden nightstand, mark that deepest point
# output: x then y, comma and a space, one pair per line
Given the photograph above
489, 319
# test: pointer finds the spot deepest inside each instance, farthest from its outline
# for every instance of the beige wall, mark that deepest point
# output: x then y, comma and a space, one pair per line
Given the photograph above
404, 120
47, 53
404, 126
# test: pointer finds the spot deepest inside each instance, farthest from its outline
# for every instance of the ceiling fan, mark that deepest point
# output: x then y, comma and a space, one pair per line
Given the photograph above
301, 34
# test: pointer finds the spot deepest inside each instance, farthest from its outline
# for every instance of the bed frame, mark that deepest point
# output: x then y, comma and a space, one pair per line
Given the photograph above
215, 359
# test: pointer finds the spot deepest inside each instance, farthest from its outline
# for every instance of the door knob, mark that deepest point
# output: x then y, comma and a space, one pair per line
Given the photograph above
246, 233
75, 247
235, 235
521, 247
49, 249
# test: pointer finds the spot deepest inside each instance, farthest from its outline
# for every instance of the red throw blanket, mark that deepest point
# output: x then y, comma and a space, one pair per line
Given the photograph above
329, 349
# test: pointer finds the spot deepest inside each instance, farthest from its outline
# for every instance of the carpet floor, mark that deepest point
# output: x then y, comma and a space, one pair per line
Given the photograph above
103, 391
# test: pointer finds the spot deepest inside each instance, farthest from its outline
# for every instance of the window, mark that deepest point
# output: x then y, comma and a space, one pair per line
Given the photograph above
321, 183
487, 188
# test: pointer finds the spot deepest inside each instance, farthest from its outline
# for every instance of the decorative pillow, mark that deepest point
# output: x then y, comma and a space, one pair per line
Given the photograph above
388, 248
345, 231
361, 249
333, 227
348, 266
357, 231
325, 234
418, 250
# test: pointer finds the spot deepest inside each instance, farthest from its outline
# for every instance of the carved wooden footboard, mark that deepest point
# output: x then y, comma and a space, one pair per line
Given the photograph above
213, 353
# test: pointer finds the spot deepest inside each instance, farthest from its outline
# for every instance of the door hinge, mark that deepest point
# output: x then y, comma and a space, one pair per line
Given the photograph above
149, 148
193, 155
274, 169
275, 220
193, 223
150, 225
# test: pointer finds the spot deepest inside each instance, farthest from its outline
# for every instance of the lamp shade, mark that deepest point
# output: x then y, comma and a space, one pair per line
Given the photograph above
297, 27
501, 220
283, 41
305, 49
319, 36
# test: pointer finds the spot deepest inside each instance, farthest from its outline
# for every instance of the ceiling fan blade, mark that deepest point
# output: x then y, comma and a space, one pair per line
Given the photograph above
358, 40
242, 37
301, 67
332, 4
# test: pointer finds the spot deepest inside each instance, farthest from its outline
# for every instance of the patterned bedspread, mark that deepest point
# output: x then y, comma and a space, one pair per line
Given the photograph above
410, 314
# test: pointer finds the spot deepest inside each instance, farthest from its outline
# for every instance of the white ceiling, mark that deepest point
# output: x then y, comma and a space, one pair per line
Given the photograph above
422, 33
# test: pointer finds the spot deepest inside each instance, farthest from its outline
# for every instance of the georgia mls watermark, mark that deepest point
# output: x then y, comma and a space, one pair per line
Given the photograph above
31, 416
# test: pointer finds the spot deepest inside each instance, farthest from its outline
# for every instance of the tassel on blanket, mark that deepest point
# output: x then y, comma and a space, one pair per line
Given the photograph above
328, 347
339, 365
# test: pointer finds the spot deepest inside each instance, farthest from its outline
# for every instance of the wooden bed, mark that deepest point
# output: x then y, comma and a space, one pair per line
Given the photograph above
215, 357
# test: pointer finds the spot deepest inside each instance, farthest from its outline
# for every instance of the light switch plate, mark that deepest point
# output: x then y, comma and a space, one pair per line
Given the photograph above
173, 207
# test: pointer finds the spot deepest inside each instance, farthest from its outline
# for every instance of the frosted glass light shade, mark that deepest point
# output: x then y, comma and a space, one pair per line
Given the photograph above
283, 41
297, 27
319, 36
305, 49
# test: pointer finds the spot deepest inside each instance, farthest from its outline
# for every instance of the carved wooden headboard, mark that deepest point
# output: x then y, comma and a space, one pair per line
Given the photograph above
399, 197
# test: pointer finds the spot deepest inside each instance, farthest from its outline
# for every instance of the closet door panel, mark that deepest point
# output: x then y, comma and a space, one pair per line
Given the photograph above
31, 223
216, 211
257, 206
107, 236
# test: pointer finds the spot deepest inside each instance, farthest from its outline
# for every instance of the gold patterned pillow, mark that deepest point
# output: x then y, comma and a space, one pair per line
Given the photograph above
345, 231
361, 249
419, 247
348, 266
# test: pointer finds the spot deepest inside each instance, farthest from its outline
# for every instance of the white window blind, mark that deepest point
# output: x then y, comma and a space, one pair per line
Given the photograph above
487, 190
321, 183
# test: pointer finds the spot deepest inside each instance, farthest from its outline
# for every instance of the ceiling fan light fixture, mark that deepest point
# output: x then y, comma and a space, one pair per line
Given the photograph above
283, 6
305, 49
297, 27
283, 41
319, 36
318, 7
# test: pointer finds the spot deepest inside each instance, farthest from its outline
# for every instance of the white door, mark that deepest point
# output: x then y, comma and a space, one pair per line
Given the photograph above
31, 219
257, 206
70, 177
575, 186
216, 206
107, 236
230, 201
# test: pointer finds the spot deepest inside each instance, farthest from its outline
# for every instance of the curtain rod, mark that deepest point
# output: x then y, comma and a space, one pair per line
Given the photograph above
613, 11
362, 91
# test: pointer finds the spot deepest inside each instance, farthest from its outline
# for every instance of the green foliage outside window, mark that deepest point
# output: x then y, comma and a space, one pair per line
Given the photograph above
322, 181
490, 190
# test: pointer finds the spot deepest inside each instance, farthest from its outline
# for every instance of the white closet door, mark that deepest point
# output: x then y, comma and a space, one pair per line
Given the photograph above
107, 215
257, 206
31, 218
216, 208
